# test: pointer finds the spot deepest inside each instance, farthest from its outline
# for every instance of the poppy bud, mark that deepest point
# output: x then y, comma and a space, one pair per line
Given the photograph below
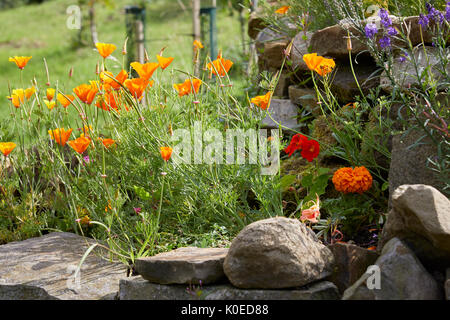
124, 48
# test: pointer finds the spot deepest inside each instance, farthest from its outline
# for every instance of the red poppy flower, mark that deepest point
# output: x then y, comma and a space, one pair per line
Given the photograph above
296, 144
310, 150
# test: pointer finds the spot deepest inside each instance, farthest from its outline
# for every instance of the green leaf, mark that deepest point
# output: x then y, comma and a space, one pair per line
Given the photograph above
307, 181
385, 186
141, 193
286, 181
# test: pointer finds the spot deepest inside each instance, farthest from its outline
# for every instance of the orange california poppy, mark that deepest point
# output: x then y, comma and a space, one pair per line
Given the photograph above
197, 44
220, 66
283, 9
262, 101
18, 96
50, 104
60, 135
80, 144
325, 67
21, 62
137, 86
107, 101
50, 94
86, 92
187, 86
145, 70
29, 92
105, 49
109, 81
7, 147
166, 153
65, 101
164, 62
107, 142
312, 60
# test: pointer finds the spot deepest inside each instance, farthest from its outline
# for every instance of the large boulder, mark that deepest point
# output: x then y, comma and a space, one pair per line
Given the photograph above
136, 288
332, 41
409, 161
305, 97
344, 85
300, 45
420, 216
43, 268
323, 290
277, 253
351, 263
406, 73
255, 24
283, 112
188, 265
401, 277
271, 44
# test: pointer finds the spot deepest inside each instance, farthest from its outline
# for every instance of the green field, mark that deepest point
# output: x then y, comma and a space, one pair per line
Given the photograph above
40, 31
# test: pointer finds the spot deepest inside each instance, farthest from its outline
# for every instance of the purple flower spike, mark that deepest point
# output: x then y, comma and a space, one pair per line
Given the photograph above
137, 210
385, 20
447, 12
402, 58
424, 21
391, 31
385, 42
86, 159
371, 30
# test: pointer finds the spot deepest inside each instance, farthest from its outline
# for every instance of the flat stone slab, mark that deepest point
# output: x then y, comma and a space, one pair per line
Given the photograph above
43, 268
137, 288
284, 112
188, 265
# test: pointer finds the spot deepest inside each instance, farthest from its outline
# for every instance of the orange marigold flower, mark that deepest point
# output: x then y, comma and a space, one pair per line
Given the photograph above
65, 101
60, 135
109, 81
163, 61
349, 180
198, 44
80, 144
262, 101
166, 153
283, 9
137, 86
145, 70
187, 86
86, 92
21, 62
7, 147
105, 49
220, 66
